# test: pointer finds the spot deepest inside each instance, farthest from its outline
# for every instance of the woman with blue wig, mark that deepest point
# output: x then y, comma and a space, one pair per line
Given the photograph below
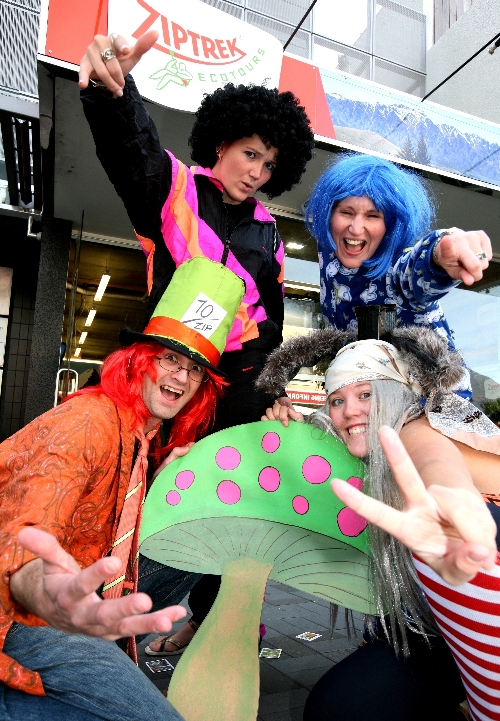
372, 220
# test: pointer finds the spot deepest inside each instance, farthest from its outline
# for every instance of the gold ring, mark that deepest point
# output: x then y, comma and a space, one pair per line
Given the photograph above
482, 255
107, 54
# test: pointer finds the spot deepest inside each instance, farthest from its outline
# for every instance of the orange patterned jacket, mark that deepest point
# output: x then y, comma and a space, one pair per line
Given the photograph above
65, 473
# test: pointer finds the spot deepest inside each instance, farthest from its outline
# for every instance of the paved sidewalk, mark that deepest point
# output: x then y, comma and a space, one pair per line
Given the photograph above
286, 682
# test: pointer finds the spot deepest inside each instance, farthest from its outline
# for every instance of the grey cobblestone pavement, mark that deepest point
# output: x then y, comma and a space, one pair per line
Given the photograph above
286, 682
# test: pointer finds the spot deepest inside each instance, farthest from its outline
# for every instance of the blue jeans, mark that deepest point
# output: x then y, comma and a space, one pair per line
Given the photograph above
165, 585
86, 678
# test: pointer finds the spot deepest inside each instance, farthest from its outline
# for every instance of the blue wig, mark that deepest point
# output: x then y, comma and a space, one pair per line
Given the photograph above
400, 194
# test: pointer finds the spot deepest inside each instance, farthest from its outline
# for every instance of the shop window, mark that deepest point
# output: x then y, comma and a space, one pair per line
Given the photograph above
296, 239
302, 313
474, 320
123, 303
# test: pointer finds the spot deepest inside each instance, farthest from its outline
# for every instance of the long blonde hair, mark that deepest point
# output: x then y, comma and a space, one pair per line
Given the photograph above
396, 589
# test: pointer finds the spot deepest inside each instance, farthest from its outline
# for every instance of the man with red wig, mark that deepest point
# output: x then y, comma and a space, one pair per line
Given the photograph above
73, 482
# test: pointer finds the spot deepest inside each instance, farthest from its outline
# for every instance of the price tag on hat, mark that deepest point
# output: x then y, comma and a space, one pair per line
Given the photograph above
204, 315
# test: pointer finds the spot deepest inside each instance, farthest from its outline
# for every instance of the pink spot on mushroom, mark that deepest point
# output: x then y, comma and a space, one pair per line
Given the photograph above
356, 482
316, 469
351, 523
269, 479
228, 458
184, 479
173, 498
228, 492
300, 505
271, 442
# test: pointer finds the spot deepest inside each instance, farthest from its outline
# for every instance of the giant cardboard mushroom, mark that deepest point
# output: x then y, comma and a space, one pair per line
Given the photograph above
252, 503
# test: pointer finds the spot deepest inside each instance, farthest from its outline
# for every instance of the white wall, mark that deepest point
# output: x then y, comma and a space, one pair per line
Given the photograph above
474, 89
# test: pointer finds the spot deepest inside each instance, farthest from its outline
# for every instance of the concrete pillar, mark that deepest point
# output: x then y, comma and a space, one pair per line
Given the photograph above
49, 314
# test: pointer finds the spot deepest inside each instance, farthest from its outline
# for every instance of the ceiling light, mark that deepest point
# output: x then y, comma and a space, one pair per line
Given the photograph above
90, 317
77, 352
294, 246
102, 286
83, 337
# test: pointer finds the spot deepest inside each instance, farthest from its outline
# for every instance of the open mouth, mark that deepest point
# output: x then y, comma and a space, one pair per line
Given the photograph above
356, 430
171, 394
353, 247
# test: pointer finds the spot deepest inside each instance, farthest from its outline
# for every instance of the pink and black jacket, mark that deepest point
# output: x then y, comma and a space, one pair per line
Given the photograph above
178, 213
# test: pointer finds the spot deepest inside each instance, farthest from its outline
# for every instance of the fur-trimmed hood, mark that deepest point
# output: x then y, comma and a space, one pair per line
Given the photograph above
433, 364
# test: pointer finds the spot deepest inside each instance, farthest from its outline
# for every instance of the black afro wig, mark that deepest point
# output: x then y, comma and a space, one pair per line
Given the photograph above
235, 112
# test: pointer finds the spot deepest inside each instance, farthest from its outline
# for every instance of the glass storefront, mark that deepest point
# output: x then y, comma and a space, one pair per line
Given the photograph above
123, 304
474, 320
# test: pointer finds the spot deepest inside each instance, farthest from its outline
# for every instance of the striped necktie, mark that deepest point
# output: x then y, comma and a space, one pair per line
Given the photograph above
126, 543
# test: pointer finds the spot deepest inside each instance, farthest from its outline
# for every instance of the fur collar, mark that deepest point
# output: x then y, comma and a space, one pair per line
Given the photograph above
430, 361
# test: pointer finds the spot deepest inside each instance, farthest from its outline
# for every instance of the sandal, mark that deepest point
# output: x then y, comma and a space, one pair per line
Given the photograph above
168, 639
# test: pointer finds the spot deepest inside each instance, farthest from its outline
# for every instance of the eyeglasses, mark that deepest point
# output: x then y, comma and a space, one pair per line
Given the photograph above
171, 364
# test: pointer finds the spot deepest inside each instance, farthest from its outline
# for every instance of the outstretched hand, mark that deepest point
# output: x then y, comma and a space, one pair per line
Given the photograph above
54, 588
458, 253
450, 529
282, 410
113, 72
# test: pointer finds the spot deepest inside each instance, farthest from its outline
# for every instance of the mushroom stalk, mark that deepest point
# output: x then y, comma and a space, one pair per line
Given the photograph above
219, 672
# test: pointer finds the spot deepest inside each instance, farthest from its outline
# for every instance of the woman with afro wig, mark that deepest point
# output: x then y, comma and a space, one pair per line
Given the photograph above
244, 139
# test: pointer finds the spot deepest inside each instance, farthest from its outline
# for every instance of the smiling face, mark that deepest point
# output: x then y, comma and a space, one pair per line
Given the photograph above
165, 397
349, 413
243, 166
357, 228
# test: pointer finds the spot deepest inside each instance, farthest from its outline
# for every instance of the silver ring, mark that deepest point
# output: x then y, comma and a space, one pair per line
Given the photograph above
482, 255
107, 54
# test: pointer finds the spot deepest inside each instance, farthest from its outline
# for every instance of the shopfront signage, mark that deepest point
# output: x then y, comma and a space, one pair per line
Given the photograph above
311, 398
199, 49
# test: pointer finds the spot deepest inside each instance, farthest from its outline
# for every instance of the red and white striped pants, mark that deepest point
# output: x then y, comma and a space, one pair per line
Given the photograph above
468, 616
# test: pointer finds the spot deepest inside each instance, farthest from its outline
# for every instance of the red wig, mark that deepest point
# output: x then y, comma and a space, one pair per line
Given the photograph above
121, 380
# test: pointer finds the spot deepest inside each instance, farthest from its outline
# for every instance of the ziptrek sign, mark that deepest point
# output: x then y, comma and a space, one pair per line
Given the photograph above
198, 50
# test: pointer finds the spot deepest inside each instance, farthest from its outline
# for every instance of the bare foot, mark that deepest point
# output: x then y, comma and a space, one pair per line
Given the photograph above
183, 636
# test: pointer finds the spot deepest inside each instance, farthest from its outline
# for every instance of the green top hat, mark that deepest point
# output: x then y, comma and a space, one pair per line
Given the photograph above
195, 313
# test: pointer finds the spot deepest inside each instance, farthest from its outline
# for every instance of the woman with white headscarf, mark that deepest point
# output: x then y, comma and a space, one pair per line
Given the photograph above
433, 506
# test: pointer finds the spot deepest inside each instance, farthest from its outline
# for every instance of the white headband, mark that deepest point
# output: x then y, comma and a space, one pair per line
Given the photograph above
368, 360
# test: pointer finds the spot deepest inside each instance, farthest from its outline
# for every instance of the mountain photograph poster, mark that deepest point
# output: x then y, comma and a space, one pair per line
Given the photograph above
381, 120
